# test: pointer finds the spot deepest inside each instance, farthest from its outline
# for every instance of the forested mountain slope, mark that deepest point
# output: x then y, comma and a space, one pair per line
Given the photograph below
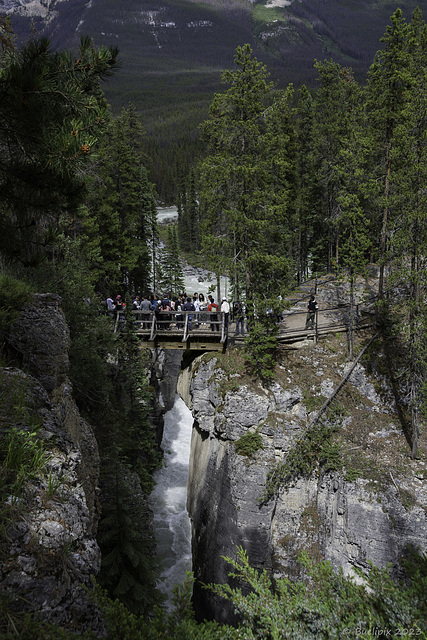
172, 53
174, 47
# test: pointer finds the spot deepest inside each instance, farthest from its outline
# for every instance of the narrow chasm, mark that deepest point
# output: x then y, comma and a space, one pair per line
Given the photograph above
168, 500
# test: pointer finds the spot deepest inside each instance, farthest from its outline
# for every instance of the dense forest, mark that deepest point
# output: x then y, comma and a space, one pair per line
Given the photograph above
289, 182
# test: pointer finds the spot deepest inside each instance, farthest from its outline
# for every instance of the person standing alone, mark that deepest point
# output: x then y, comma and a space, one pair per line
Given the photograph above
225, 310
239, 316
311, 313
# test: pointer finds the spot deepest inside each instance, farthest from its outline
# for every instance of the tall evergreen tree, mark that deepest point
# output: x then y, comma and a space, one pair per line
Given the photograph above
408, 242
331, 132
245, 186
123, 203
193, 212
244, 190
144, 273
388, 81
172, 278
129, 565
188, 215
305, 204
353, 241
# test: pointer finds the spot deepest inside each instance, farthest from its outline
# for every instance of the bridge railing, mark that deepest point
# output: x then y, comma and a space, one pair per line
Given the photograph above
328, 319
181, 325
152, 324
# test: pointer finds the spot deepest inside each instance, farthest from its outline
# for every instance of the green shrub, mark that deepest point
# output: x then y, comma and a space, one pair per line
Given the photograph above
22, 456
314, 448
249, 444
22, 451
14, 294
328, 606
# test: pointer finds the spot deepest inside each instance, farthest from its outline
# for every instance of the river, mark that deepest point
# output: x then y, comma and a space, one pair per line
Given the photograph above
196, 279
169, 500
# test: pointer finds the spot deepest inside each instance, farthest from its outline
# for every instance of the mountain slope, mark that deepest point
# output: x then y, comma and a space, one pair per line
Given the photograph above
187, 43
172, 53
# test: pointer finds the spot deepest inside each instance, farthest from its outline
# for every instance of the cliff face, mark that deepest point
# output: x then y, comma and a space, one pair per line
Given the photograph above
370, 508
165, 370
52, 549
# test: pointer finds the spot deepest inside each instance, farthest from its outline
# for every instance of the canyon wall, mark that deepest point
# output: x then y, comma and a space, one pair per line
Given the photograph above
371, 509
51, 551
52, 548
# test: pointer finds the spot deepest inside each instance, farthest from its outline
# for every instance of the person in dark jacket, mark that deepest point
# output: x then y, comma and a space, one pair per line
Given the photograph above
311, 313
239, 316
189, 306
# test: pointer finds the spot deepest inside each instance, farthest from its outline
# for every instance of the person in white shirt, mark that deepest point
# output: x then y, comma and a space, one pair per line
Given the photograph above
110, 306
196, 303
225, 309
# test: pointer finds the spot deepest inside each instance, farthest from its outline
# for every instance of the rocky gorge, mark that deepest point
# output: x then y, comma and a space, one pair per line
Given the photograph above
368, 506
364, 500
52, 549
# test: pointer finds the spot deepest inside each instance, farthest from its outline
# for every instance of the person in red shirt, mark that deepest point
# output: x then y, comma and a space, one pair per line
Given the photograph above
212, 308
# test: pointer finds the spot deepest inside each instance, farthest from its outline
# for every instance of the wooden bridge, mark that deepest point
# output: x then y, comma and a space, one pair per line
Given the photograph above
204, 331
196, 330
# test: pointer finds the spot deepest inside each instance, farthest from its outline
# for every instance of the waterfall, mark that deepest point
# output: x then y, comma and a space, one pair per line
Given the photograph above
169, 499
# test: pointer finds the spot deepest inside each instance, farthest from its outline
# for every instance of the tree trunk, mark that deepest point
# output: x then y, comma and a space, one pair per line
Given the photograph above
236, 285
351, 320
384, 224
413, 342
218, 287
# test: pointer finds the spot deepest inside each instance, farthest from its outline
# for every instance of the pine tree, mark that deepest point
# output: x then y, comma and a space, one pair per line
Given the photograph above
123, 201
305, 204
353, 239
52, 112
188, 215
193, 213
130, 454
147, 235
408, 243
129, 566
332, 129
245, 187
172, 279
388, 81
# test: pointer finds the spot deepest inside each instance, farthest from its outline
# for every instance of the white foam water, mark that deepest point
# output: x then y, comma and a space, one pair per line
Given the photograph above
195, 280
169, 500
167, 214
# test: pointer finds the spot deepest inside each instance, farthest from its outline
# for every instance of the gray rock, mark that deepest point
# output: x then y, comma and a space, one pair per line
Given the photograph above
359, 380
345, 522
53, 552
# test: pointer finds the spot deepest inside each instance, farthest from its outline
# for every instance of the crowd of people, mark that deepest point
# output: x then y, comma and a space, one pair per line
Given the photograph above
170, 310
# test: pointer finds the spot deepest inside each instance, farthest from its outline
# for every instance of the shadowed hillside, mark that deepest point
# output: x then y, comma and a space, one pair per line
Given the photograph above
177, 47
172, 52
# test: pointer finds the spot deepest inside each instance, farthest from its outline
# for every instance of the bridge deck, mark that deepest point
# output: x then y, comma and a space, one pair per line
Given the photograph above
210, 332
203, 331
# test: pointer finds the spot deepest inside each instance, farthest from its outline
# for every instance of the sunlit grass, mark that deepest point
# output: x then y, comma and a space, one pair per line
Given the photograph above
262, 13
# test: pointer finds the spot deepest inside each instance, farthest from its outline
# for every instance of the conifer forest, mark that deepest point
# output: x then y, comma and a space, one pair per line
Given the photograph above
279, 185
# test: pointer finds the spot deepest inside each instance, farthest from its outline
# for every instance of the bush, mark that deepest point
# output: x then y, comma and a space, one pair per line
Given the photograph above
329, 606
22, 451
249, 444
13, 296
